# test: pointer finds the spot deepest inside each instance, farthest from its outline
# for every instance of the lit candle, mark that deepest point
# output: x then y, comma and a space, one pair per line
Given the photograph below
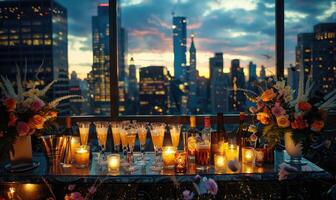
75, 143
232, 152
82, 155
168, 156
180, 162
222, 147
247, 168
113, 162
248, 155
219, 161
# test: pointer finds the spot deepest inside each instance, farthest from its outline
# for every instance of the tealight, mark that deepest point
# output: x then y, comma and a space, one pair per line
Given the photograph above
248, 155
219, 161
113, 162
168, 157
82, 156
232, 152
75, 143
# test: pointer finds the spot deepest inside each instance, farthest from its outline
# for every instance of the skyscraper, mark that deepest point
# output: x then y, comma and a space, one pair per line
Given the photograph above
252, 71
262, 73
192, 78
100, 82
315, 54
154, 90
133, 90
180, 46
293, 79
237, 81
34, 33
218, 84
202, 95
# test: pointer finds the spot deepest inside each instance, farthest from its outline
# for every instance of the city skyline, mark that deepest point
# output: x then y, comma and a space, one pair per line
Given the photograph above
156, 25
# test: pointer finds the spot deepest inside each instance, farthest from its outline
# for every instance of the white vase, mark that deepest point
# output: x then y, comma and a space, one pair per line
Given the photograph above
294, 150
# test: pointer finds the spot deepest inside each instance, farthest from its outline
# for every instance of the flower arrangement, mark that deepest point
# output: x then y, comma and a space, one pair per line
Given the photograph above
304, 116
23, 112
206, 188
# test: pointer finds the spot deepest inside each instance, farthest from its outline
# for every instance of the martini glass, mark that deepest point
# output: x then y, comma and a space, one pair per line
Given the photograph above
157, 133
130, 137
116, 136
123, 138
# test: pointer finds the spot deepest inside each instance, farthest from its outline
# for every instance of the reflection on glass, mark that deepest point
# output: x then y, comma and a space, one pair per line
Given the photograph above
84, 129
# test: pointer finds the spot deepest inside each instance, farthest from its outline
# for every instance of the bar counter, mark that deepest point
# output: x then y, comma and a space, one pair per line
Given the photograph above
161, 181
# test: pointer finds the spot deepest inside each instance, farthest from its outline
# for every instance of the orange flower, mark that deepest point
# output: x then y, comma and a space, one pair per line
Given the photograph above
268, 95
317, 125
299, 123
12, 119
36, 122
283, 121
263, 117
10, 104
52, 114
304, 106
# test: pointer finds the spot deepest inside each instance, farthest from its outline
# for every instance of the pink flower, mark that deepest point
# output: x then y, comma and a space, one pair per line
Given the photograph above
260, 104
211, 186
277, 110
285, 171
71, 187
92, 190
22, 128
76, 196
187, 195
37, 104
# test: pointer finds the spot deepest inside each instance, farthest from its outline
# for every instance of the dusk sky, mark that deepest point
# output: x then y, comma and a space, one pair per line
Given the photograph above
241, 29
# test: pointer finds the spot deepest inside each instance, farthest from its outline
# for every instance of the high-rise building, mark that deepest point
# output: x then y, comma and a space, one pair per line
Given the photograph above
192, 78
237, 82
133, 90
315, 54
180, 46
252, 71
262, 73
218, 84
33, 33
79, 106
154, 90
293, 79
100, 82
202, 95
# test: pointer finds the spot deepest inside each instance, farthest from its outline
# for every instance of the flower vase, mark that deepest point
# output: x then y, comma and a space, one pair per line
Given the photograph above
21, 159
294, 150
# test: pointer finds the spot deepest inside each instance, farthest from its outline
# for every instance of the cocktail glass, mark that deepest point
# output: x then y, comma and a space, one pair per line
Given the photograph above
130, 137
157, 133
175, 131
116, 135
84, 129
102, 128
142, 134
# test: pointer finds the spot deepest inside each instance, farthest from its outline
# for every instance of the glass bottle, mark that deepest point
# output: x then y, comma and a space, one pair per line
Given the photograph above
191, 138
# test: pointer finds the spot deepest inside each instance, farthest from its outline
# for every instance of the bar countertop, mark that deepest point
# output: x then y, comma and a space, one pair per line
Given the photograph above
145, 175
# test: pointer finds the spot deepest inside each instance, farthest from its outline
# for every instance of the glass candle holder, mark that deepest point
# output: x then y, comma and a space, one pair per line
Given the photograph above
219, 161
232, 152
75, 143
113, 162
260, 156
247, 168
248, 155
168, 157
180, 162
222, 147
82, 156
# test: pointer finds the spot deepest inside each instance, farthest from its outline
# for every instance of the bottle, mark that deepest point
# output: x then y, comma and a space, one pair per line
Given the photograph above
68, 127
206, 132
240, 135
218, 136
192, 134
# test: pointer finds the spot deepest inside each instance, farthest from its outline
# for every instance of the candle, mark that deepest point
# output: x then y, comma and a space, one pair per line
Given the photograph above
222, 147
247, 168
180, 162
219, 161
113, 162
260, 156
232, 152
75, 143
168, 156
82, 155
248, 155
